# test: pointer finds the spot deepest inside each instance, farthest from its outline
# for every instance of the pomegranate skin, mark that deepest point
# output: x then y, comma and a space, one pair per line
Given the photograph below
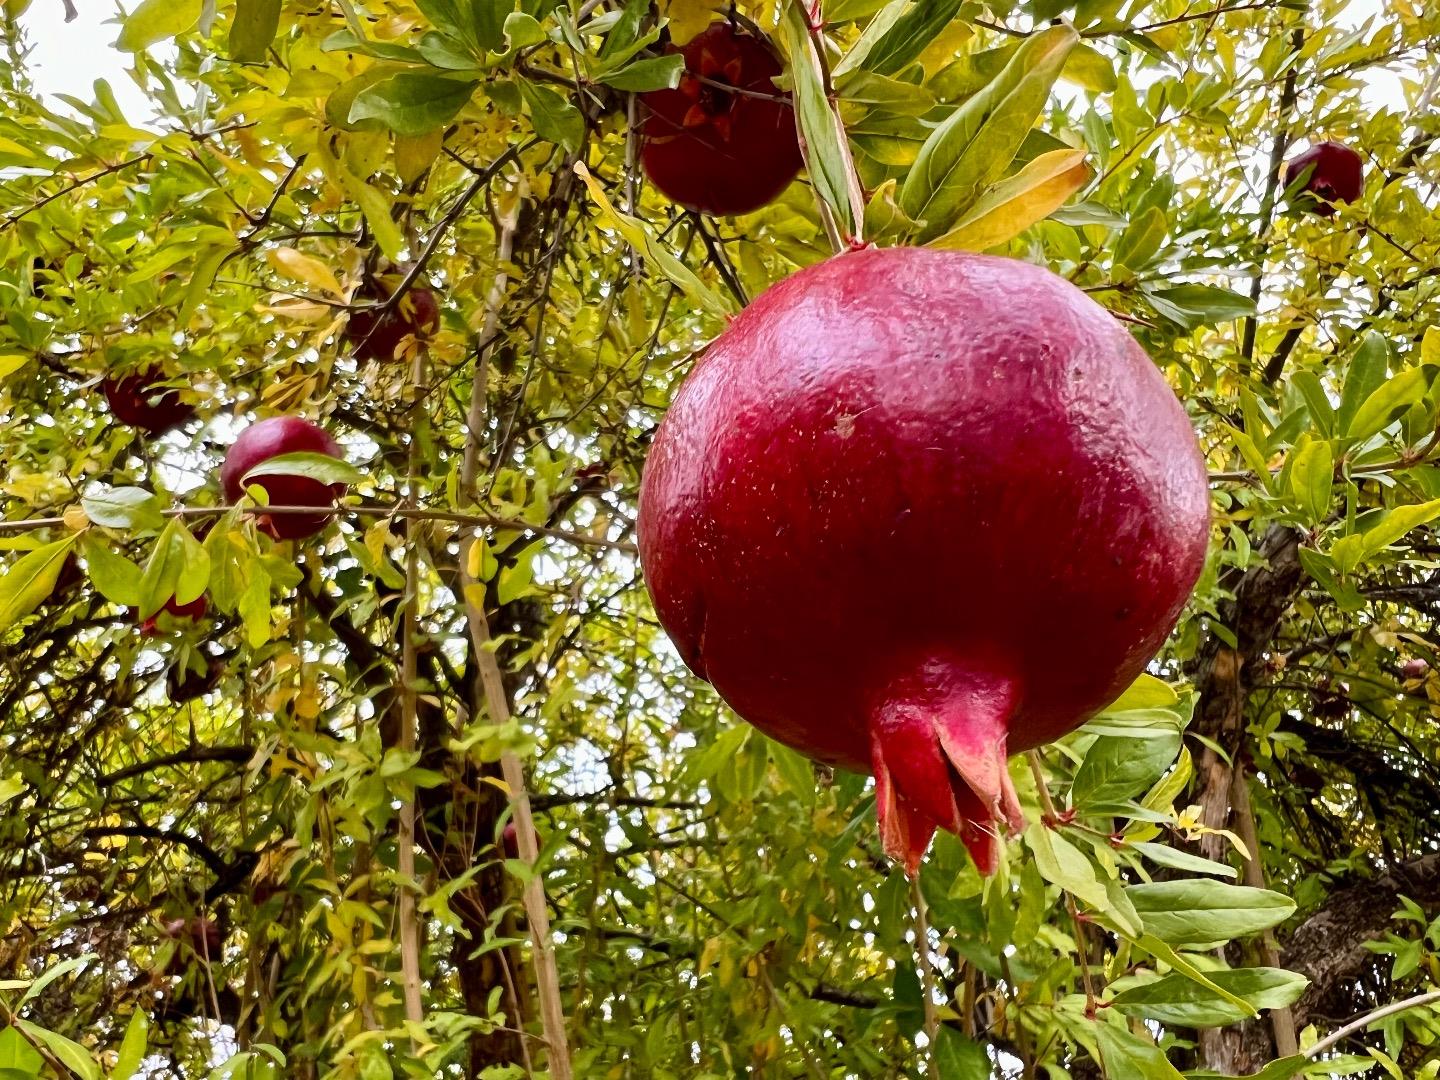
377, 337
270, 438
195, 609
1336, 175
715, 151
916, 510
134, 402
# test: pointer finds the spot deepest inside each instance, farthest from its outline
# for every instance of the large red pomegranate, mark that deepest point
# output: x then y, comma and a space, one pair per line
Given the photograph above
1333, 173
270, 438
724, 140
917, 510
139, 401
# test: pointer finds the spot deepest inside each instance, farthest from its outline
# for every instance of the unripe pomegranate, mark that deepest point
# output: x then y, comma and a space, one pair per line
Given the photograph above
195, 609
378, 337
270, 438
916, 510
1334, 174
135, 400
724, 140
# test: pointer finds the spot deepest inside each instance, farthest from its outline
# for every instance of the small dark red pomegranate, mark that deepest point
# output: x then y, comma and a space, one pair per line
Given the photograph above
202, 934
917, 510
137, 401
1415, 668
379, 337
270, 438
196, 609
510, 841
724, 140
1334, 174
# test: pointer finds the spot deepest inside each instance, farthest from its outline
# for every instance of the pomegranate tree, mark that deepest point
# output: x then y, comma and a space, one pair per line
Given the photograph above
140, 401
917, 510
1333, 173
271, 438
724, 140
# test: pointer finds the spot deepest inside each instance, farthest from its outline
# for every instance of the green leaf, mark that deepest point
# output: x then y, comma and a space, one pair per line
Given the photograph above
1366, 374
639, 236
319, 467
1185, 965
50, 974
1117, 768
31, 579
650, 73
523, 30
156, 20
1090, 68
1312, 473
1146, 692
132, 1049
1201, 911
976, 143
826, 147
794, 770
555, 118
1142, 239
114, 576
1388, 402
1062, 863
1174, 999
960, 1058
1165, 855
1125, 1054
178, 567
71, 1054
413, 103
1395, 525
18, 1056
125, 508
1316, 400
253, 29
1019, 201
908, 35
1199, 305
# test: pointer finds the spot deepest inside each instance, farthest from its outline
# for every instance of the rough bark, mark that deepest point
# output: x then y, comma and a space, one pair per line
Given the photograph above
1225, 675
1328, 948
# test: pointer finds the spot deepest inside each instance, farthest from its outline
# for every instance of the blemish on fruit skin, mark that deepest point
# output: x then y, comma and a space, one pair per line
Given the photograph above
845, 425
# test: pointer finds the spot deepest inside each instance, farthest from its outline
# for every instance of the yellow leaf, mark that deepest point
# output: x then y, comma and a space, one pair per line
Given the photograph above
689, 17
10, 364
414, 153
1429, 348
301, 267
1019, 201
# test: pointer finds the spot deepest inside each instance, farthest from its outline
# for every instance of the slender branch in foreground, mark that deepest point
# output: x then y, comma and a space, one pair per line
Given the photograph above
366, 510
1371, 1018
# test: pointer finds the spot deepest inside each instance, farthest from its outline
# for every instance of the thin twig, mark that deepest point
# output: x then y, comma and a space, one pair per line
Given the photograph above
928, 982
1048, 805
366, 510
1370, 1018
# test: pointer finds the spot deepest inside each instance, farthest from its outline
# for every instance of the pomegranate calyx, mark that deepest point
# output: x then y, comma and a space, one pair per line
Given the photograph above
938, 750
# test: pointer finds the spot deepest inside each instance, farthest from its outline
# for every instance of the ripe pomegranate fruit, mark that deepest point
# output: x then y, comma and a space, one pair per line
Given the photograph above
137, 401
270, 438
196, 609
202, 934
916, 510
377, 337
1334, 174
724, 140
1415, 668
510, 841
